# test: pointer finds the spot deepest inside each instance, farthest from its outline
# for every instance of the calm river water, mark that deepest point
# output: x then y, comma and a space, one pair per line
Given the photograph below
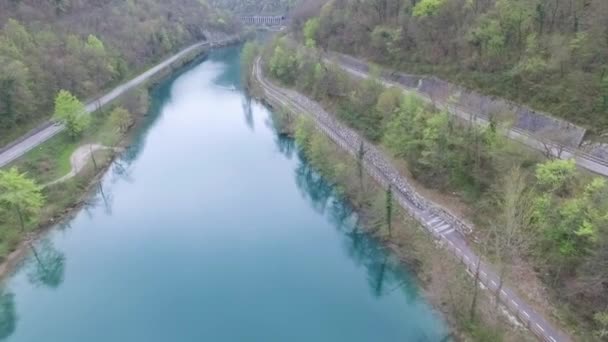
211, 227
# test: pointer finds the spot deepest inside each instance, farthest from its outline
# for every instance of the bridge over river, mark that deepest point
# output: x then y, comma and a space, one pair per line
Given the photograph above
267, 20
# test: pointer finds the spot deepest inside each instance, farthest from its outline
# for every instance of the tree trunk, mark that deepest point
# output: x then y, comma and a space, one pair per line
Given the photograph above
475, 291
20, 218
38, 258
93, 156
501, 276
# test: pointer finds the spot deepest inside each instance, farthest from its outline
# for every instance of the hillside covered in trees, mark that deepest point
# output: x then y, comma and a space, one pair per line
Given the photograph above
85, 47
542, 221
550, 55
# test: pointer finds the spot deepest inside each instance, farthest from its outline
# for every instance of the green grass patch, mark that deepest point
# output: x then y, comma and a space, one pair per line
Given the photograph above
51, 160
48, 161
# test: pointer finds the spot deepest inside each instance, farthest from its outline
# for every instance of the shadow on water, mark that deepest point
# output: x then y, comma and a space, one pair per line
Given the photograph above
231, 76
8, 314
45, 267
248, 112
385, 274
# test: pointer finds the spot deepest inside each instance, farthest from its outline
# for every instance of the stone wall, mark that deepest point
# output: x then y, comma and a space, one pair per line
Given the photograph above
542, 125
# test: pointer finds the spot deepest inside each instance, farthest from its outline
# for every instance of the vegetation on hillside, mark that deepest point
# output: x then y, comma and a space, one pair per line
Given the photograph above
86, 46
452, 290
550, 55
527, 208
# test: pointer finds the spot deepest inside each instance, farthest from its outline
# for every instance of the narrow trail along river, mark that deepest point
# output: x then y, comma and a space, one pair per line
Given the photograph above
211, 227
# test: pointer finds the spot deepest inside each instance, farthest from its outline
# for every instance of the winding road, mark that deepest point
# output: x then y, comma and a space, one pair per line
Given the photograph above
48, 130
582, 158
444, 227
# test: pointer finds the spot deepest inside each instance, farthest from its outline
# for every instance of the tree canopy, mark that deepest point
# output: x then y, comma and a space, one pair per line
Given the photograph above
550, 55
87, 46
71, 112
20, 195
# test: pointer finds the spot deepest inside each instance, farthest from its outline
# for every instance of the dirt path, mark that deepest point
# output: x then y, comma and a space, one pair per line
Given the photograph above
79, 159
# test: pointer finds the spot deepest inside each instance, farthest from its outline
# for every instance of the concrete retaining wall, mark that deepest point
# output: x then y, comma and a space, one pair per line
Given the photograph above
539, 124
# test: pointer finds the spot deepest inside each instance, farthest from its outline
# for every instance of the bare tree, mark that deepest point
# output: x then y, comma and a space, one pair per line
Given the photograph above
510, 232
553, 142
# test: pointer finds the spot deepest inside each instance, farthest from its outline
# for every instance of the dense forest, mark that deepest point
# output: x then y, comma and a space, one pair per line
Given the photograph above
550, 55
531, 212
86, 46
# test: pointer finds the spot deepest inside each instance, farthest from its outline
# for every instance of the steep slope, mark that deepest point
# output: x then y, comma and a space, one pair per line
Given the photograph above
550, 55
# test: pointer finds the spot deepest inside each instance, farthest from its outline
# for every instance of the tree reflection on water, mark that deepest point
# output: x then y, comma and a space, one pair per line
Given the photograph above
8, 315
46, 266
385, 273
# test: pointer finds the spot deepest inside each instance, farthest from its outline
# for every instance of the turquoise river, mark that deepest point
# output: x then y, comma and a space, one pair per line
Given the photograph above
211, 227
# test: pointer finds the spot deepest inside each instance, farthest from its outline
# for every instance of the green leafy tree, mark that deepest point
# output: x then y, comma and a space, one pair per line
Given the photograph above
310, 32
426, 8
435, 142
556, 175
283, 64
71, 112
94, 45
318, 152
100, 65
387, 42
21, 195
403, 133
121, 119
389, 101
19, 35
305, 128
320, 86
16, 98
601, 320
571, 223
488, 37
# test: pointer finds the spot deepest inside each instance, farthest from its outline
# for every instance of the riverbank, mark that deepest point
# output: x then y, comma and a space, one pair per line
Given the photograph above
408, 197
448, 289
51, 159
